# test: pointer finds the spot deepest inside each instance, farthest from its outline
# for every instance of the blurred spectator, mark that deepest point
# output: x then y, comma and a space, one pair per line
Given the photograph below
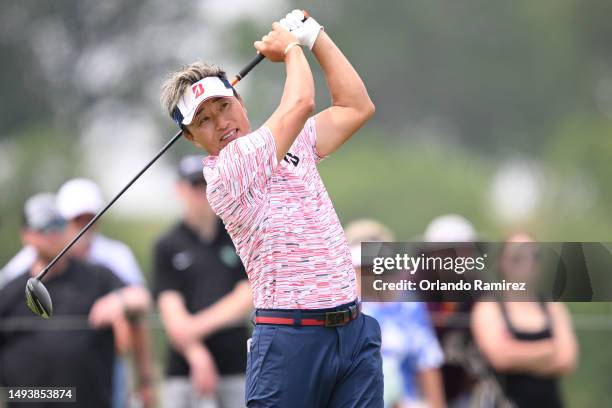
203, 297
36, 352
462, 361
411, 353
528, 343
78, 200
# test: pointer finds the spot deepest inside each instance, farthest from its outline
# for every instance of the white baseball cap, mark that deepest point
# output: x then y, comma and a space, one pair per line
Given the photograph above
197, 93
79, 196
450, 228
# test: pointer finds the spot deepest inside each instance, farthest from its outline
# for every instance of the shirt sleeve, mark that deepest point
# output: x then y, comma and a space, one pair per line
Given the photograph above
164, 273
309, 136
248, 162
131, 273
429, 354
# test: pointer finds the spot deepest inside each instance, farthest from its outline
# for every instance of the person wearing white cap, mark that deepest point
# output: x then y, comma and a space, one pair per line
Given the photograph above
457, 344
78, 200
265, 185
450, 228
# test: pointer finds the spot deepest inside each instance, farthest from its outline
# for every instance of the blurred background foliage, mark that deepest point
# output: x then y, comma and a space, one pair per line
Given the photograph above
499, 111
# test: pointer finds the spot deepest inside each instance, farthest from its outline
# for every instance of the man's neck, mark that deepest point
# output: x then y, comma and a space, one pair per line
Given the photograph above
205, 225
40, 264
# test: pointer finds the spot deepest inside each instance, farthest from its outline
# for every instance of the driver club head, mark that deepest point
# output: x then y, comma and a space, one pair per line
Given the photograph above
38, 299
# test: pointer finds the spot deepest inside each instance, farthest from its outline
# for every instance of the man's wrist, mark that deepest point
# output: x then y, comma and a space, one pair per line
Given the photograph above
290, 46
202, 324
321, 41
132, 316
120, 296
193, 351
315, 29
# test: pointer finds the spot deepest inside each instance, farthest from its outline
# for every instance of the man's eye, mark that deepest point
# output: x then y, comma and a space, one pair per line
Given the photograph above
204, 120
224, 105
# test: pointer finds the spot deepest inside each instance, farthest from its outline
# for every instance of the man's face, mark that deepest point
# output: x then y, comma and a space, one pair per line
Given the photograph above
74, 226
217, 122
47, 242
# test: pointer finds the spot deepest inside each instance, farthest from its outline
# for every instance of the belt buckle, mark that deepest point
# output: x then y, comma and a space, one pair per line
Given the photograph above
337, 318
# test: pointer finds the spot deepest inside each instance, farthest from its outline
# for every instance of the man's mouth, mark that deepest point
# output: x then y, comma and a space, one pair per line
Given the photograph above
229, 134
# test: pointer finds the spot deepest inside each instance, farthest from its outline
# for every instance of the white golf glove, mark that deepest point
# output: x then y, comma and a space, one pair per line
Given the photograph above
305, 31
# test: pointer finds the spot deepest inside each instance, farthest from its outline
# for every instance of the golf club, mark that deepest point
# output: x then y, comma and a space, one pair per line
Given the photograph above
38, 299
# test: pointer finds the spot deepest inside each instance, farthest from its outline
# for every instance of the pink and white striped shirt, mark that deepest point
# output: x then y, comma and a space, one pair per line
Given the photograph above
282, 221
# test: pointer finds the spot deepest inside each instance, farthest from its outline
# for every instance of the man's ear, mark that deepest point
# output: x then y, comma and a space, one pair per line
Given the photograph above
239, 97
190, 137
187, 135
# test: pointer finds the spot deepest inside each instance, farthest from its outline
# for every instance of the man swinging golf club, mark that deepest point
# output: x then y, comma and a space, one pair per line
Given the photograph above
311, 346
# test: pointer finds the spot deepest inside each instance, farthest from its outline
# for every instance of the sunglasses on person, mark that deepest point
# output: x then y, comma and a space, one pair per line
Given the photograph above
53, 226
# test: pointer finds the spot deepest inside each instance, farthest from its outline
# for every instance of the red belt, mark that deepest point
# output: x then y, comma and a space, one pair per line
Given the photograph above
329, 318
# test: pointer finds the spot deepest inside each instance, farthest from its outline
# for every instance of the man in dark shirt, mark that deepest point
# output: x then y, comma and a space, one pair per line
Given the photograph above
76, 347
203, 297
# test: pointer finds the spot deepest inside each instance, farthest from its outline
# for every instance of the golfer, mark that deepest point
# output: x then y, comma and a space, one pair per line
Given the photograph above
311, 346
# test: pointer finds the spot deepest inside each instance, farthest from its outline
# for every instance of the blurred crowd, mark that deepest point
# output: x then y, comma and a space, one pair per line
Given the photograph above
492, 352
489, 351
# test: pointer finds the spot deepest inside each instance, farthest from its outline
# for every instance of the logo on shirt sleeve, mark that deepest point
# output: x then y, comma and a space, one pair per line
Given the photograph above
291, 159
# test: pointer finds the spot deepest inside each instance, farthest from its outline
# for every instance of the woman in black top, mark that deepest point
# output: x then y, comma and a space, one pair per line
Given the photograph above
528, 343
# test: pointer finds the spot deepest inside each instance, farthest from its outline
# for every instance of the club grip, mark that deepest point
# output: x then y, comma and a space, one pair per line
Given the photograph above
258, 58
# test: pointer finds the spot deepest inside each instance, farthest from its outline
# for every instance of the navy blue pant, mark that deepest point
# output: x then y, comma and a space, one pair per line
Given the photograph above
315, 366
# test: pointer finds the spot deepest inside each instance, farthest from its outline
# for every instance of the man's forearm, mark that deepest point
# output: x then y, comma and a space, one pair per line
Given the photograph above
136, 299
344, 83
530, 356
228, 310
297, 102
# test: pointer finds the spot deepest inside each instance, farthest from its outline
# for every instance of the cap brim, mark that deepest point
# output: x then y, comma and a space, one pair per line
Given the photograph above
189, 118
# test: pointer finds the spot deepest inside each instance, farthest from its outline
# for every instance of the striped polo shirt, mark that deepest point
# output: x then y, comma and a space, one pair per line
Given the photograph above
282, 221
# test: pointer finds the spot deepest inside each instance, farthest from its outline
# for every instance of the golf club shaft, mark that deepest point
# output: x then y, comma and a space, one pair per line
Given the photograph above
98, 215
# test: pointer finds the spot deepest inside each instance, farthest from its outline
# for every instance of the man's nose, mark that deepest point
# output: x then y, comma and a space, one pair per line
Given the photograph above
221, 123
